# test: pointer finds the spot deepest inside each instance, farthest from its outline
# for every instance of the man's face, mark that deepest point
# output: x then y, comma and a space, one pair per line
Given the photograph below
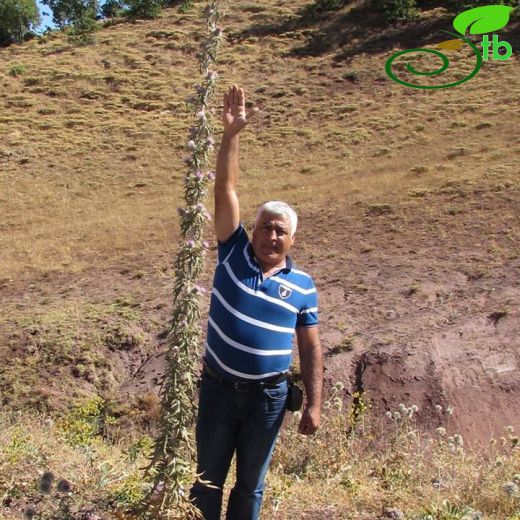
272, 239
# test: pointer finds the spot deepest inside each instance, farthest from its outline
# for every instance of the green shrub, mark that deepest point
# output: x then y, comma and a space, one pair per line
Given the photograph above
17, 70
143, 9
400, 10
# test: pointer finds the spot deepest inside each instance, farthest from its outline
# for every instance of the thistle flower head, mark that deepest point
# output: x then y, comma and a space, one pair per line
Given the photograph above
198, 289
205, 244
441, 431
190, 244
63, 486
29, 512
339, 386
199, 175
191, 144
438, 408
201, 114
388, 414
45, 483
211, 176
449, 410
511, 488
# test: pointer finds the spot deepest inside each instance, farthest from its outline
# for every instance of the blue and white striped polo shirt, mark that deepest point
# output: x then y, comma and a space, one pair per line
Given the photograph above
252, 320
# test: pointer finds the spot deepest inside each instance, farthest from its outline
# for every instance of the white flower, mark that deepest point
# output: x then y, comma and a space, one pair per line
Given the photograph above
511, 488
191, 145
397, 416
441, 431
459, 441
415, 408
339, 386
201, 115
388, 414
509, 429
449, 410
402, 408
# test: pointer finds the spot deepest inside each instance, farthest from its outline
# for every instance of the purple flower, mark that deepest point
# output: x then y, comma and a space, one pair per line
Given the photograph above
199, 175
207, 215
201, 114
199, 207
191, 145
190, 244
205, 244
63, 486
46, 482
211, 176
198, 289
217, 32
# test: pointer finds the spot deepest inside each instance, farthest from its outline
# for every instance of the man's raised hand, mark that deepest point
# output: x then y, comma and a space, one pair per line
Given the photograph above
235, 115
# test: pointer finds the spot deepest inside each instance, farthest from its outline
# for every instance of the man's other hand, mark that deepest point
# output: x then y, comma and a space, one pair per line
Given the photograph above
310, 421
235, 115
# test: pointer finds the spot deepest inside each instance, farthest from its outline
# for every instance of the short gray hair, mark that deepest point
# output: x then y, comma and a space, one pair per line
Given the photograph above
279, 208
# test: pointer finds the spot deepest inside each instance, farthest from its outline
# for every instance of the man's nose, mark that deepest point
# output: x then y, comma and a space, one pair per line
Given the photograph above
272, 234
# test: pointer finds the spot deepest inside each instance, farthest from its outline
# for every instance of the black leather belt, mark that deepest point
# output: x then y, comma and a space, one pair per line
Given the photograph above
272, 382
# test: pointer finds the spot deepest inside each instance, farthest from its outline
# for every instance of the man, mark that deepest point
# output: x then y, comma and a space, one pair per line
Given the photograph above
258, 301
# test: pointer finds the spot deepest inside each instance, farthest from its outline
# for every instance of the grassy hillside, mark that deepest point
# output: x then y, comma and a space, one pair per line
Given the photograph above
409, 205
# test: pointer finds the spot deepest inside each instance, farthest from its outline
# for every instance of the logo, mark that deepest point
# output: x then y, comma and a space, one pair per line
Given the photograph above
480, 20
284, 292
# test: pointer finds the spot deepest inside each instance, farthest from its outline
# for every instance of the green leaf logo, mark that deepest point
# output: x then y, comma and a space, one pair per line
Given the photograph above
480, 20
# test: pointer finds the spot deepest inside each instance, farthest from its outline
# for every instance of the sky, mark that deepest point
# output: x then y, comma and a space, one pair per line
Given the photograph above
46, 20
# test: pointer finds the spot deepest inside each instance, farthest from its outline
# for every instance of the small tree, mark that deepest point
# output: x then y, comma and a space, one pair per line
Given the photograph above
144, 9
17, 18
72, 12
112, 8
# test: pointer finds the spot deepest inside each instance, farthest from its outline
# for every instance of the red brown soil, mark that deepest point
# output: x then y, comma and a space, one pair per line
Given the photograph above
426, 297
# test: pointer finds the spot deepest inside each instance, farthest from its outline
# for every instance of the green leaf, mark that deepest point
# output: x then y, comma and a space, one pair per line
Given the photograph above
481, 20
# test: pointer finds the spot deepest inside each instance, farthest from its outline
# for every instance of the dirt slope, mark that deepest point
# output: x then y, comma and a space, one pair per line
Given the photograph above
409, 204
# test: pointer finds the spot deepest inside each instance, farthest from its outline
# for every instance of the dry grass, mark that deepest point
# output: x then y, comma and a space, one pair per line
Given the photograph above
93, 137
345, 471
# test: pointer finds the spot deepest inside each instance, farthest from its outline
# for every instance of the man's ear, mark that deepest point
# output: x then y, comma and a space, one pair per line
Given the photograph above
293, 239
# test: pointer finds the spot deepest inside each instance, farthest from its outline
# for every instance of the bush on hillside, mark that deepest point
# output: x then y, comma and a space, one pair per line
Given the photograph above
112, 8
17, 18
143, 9
398, 10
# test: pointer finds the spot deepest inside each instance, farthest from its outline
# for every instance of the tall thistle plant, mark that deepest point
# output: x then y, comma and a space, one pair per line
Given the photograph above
171, 463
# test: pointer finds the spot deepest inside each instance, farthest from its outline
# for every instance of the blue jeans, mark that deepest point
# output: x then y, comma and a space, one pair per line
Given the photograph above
229, 420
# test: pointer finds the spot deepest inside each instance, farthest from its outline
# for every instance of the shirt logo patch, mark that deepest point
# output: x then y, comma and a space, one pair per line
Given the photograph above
284, 292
